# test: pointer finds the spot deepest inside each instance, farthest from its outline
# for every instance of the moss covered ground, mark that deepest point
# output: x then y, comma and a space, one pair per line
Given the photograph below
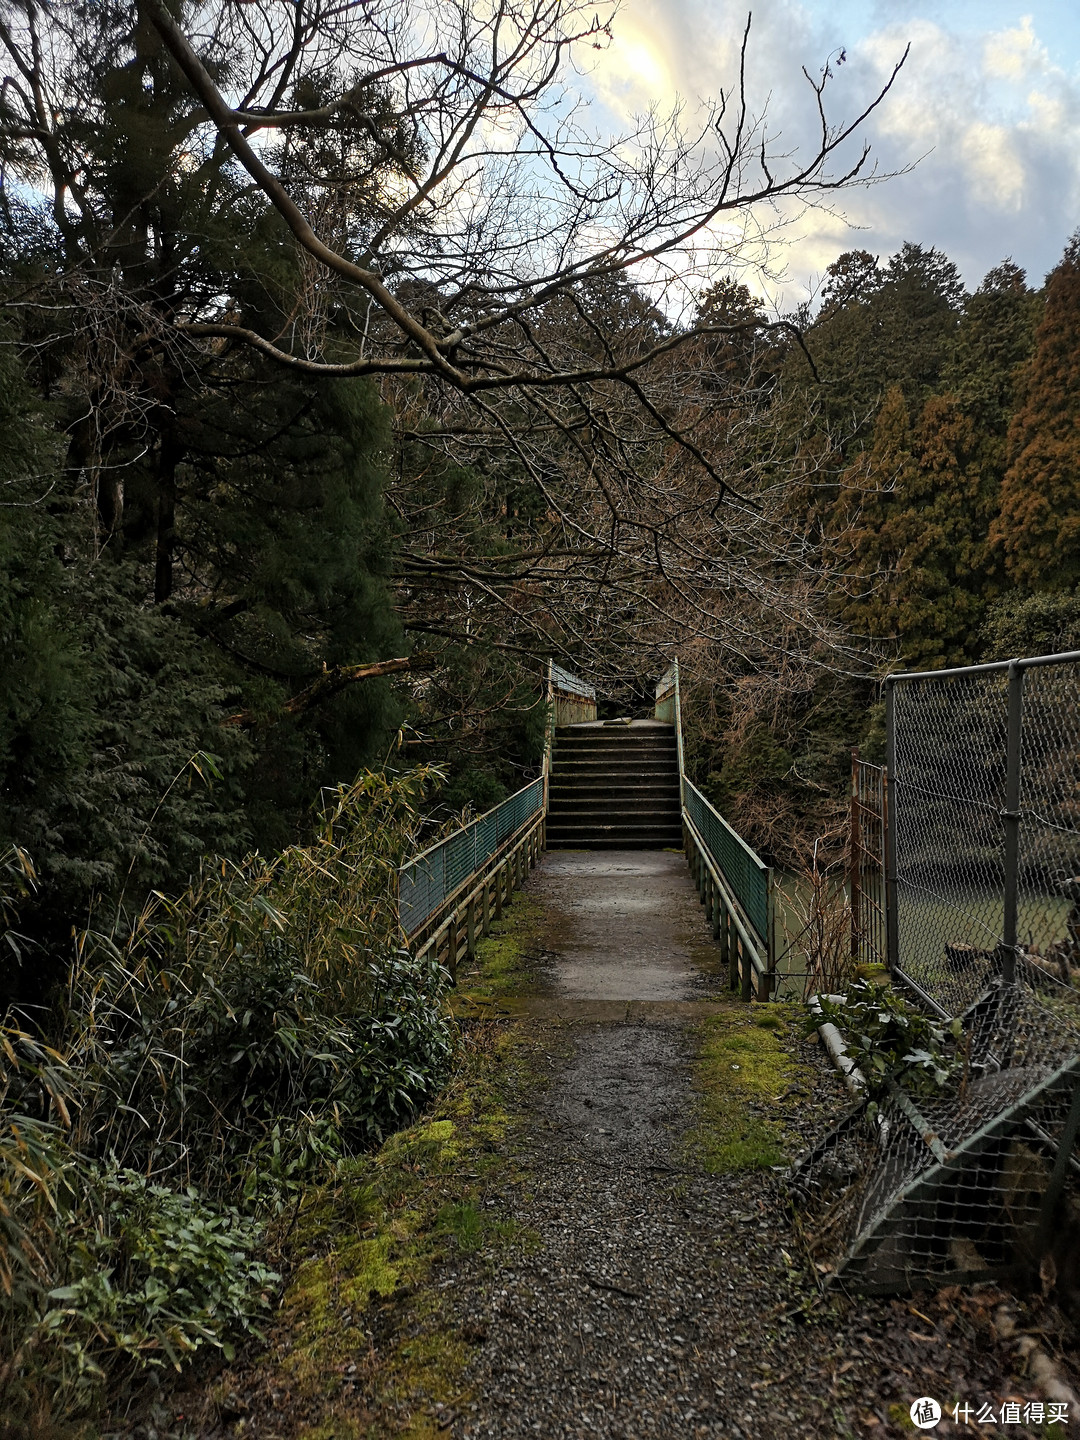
751, 1072
361, 1345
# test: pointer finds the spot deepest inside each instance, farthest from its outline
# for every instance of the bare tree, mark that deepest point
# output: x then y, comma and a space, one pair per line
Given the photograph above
526, 291
502, 201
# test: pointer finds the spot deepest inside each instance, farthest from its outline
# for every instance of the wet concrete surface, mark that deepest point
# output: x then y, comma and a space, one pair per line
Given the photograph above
622, 925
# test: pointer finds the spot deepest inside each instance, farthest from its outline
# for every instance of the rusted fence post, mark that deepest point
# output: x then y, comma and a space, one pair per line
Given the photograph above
855, 858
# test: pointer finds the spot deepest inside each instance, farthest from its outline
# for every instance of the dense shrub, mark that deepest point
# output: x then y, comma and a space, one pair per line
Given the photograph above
217, 1048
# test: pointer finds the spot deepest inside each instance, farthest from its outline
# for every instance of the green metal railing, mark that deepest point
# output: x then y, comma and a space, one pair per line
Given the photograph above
748, 877
735, 885
436, 875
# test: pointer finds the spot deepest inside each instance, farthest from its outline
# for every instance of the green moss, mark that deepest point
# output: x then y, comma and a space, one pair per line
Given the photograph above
501, 963
768, 1020
362, 1339
742, 1068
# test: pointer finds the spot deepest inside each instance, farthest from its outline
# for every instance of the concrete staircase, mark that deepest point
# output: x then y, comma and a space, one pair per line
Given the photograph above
614, 787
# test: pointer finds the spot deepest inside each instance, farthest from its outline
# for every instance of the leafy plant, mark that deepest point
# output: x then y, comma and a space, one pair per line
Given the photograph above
891, 1041
157, 1273
220, 1048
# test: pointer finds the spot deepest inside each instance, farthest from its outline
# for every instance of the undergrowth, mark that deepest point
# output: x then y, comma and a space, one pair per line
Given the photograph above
364, 1341
218, 1052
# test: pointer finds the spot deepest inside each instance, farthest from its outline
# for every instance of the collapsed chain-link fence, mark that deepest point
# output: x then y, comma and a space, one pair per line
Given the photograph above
982, 861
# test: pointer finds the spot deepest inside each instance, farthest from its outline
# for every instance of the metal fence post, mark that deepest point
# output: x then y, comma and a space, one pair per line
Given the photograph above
1011, 818
892, 925
855, 856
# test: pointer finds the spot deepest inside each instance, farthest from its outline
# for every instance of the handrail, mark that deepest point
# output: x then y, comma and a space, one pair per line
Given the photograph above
568, 683
746, 935
428, 880
572, 699
735, 883
668, 689
751, 854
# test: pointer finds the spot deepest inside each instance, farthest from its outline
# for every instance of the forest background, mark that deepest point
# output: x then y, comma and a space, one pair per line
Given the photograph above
244, 564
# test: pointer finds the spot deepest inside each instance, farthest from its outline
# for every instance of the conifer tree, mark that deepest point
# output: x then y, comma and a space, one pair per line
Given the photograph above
915, 511
1038, 529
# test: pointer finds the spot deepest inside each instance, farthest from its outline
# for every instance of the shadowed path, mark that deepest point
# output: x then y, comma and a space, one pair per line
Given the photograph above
632, 1317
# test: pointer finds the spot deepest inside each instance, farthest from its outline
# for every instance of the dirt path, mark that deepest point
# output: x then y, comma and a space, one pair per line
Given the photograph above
588, 1234
659, 1299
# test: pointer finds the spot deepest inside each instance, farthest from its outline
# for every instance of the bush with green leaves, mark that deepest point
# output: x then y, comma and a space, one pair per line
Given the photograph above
220, 1046
104, 1275
889, 1040
274, 996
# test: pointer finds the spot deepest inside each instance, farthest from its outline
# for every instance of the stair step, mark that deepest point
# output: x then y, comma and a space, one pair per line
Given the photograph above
590, 824
659, 764
563, 805
615, 791
615, 840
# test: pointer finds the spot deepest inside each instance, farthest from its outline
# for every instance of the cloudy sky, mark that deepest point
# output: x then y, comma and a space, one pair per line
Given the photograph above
988, 104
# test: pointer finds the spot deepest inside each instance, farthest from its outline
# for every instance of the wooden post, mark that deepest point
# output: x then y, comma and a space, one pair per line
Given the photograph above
451, 948
485, 906
731, 945
470, 929
747, 970
498, 890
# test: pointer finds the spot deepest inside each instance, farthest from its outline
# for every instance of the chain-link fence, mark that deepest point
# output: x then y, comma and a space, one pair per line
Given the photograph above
436, 874
982, 800
866, 868
984, 771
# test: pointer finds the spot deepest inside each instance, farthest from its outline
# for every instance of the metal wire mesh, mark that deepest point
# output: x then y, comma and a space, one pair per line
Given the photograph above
867, 877
1048, 903
947, 793
962, 1186
964, 902
432, 877
747, 875
983, 807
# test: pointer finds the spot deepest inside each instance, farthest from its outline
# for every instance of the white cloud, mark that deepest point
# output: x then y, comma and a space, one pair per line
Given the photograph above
1012, 54
994, 118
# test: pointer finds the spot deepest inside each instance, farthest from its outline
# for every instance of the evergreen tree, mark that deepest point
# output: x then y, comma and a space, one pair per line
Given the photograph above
916, 513
1038, 529
878, 328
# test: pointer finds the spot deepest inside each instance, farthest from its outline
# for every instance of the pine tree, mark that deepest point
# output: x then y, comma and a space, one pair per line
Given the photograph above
1038, 529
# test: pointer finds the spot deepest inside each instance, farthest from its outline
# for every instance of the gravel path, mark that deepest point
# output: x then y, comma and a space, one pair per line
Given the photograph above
658, 1301
634, 1296
641, 1311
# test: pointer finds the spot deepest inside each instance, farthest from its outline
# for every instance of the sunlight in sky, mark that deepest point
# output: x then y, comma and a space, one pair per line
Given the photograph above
985, 116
